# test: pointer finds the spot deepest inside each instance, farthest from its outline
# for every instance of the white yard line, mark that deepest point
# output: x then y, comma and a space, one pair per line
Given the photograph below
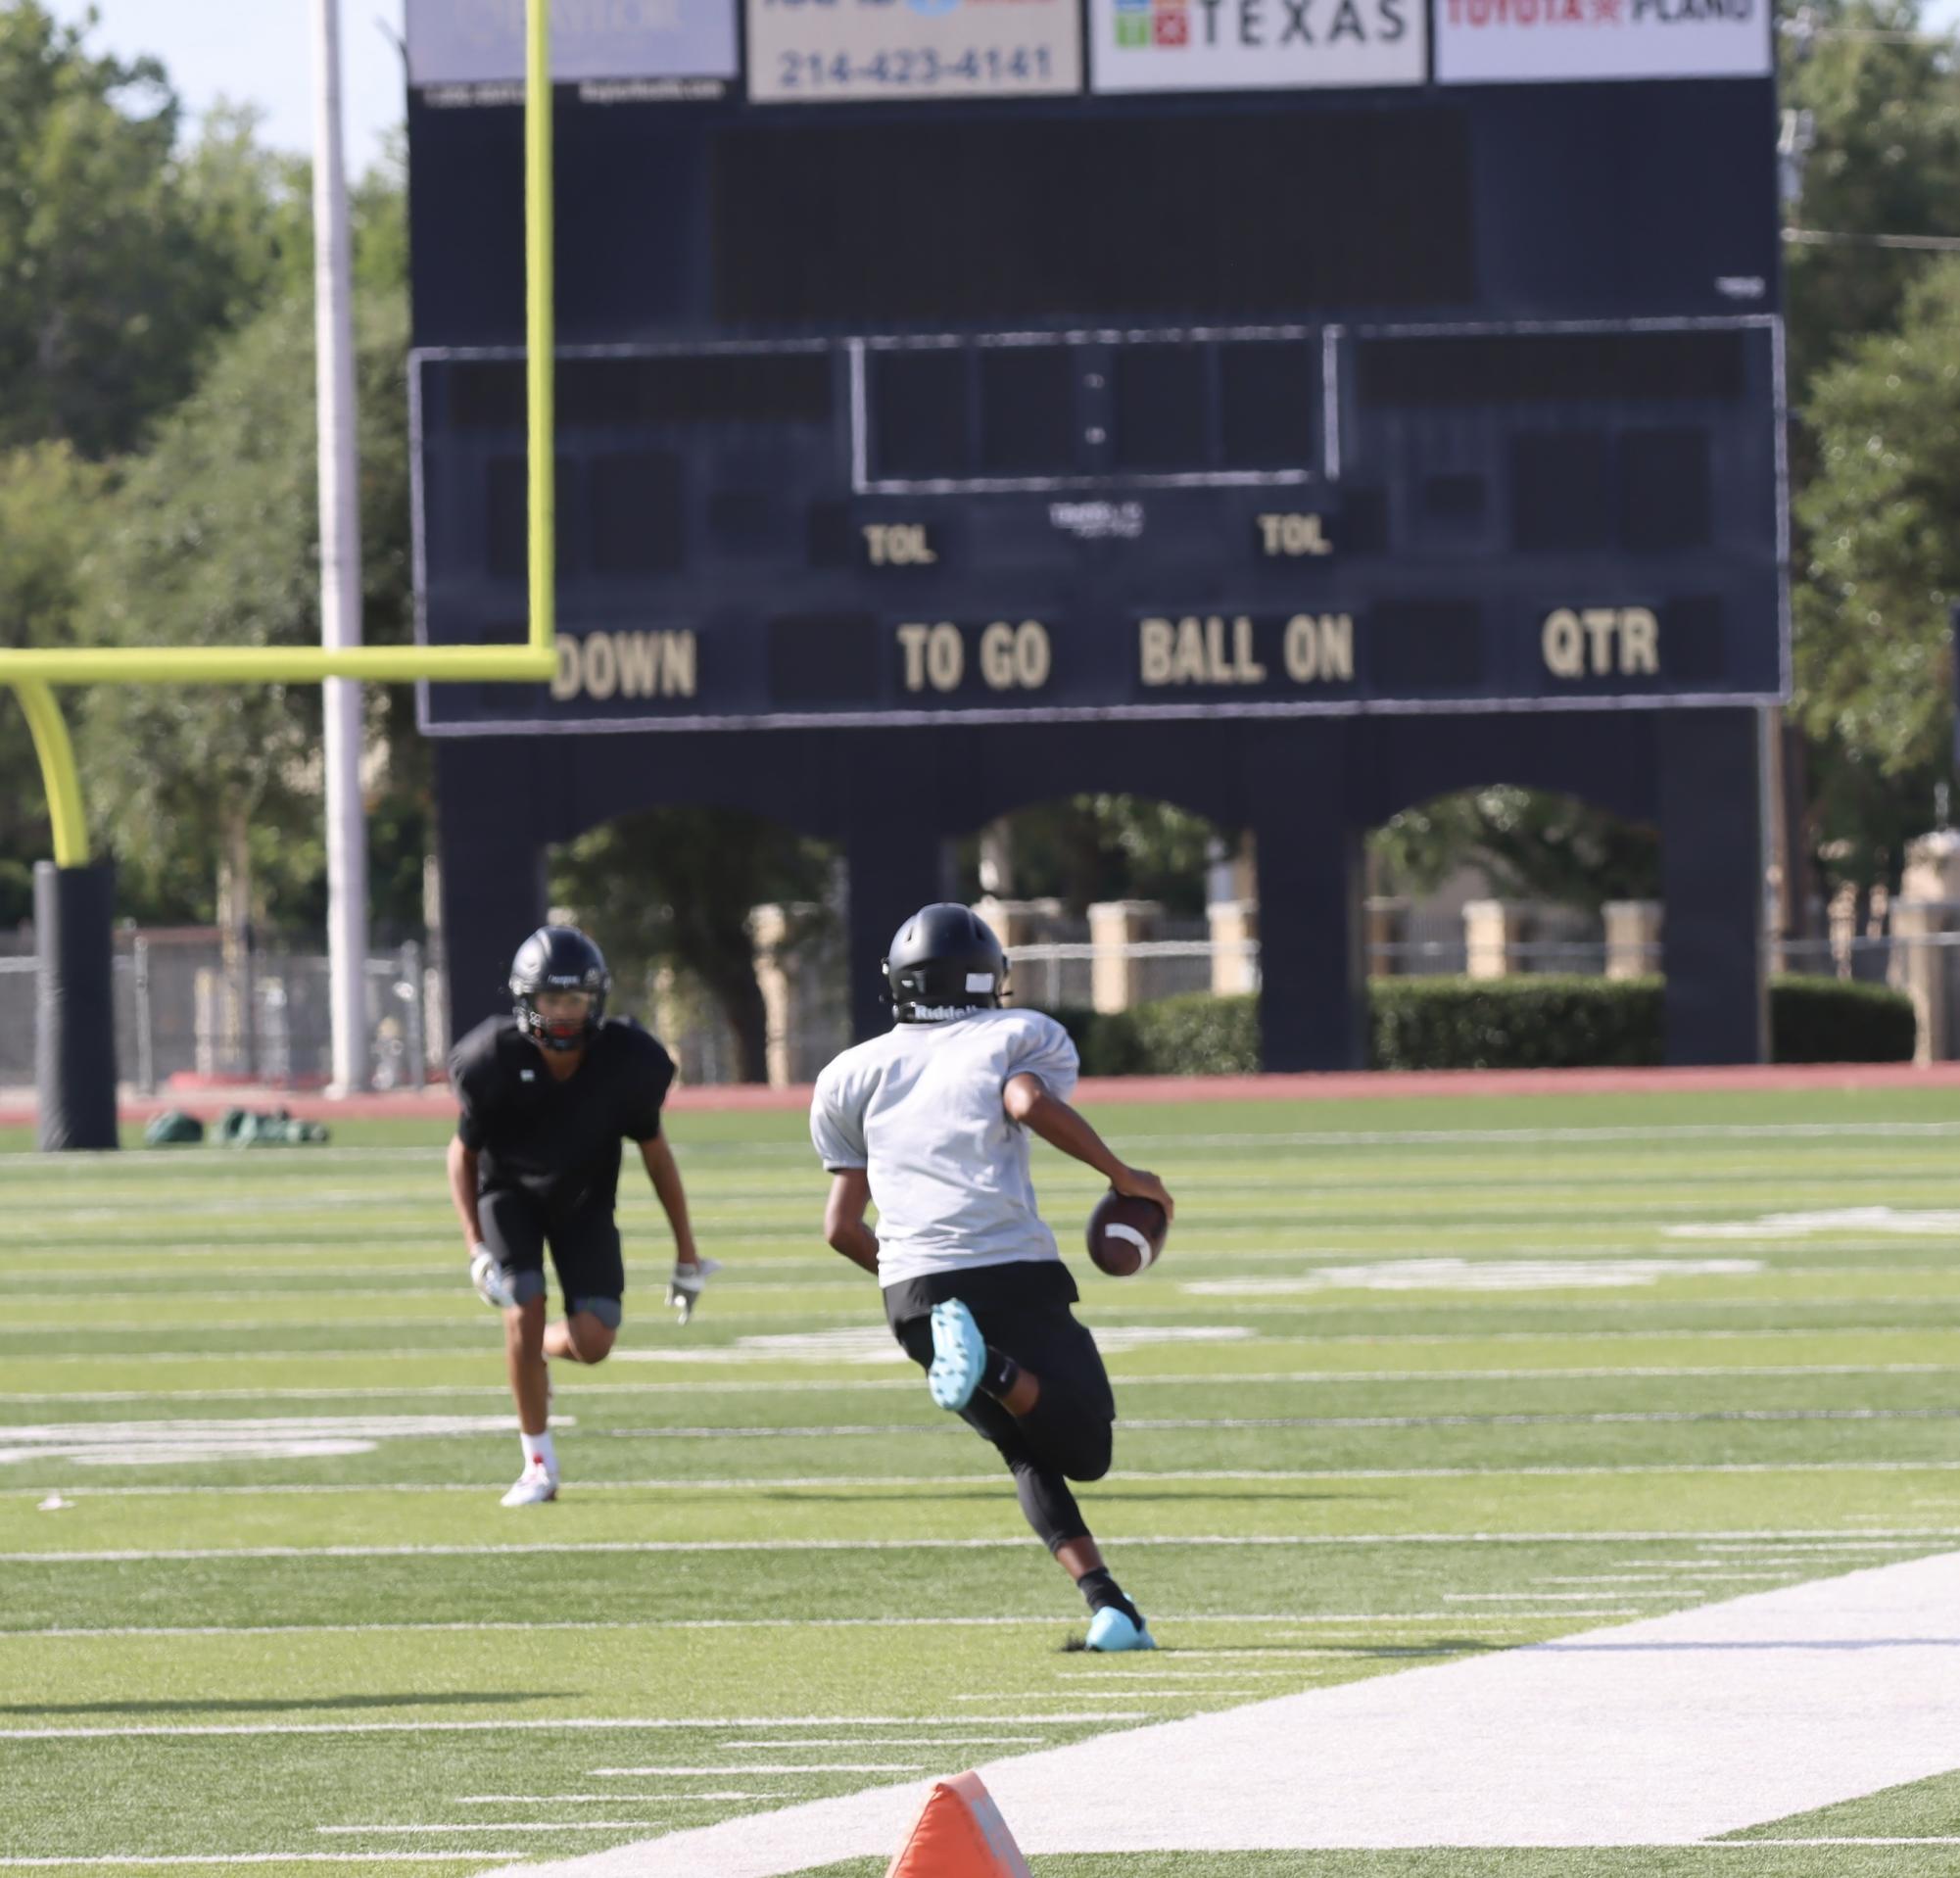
596, 1547
1669, 1732
497, 1825
1279, 1619
754, 1483
726, 1769
1193, 1380
526, 1725
459, 1857
604, 1799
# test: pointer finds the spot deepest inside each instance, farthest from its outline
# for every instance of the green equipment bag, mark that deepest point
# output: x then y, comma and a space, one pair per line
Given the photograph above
173, 1128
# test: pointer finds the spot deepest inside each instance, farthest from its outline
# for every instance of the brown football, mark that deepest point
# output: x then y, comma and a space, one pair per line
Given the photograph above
1126, 1236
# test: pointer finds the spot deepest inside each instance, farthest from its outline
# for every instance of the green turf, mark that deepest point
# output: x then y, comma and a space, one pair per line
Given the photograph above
757, 1535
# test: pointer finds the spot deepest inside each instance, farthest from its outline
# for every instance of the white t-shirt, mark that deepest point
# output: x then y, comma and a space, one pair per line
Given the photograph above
920, 1110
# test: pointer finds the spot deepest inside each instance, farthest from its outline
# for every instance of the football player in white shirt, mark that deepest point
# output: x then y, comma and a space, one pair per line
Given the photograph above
932, 1122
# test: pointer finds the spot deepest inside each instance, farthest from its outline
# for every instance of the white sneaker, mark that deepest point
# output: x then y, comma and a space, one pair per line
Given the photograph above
535, 1485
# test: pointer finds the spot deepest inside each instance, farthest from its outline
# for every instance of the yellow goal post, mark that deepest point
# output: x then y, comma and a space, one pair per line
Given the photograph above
33, 674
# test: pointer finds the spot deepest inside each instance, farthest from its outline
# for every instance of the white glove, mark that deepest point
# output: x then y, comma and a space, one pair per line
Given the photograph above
688, 1282
492, 1287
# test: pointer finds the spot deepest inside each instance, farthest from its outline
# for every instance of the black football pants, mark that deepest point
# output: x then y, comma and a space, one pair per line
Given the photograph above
1023, 1311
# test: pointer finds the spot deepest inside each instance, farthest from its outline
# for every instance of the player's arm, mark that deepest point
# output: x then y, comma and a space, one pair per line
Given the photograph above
665, 1174
844, 1217
463, 1191
1027, 1100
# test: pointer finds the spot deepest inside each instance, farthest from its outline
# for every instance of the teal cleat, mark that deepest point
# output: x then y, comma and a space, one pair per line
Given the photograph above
1110, 1630
959, 1356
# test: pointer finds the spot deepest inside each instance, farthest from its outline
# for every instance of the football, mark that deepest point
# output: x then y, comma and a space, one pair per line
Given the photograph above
1126, 1235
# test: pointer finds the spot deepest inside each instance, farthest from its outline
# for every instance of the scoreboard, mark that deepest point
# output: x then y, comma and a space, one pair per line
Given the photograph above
927, 360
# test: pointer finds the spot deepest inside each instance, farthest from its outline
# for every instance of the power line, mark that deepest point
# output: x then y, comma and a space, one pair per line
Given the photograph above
1828, 238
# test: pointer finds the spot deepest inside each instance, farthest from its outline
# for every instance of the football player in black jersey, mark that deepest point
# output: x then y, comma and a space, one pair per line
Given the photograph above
546, 1095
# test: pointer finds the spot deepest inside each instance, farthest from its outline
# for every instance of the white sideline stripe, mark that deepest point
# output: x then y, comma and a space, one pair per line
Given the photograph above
457, 1857
1192, 1380
1041, 1618
453, 1391
500, 1825
741, 1745
1666, 1732
604, 1799
526, 1725
1117, 1476
151, 1555
1748, 1845
758, 1767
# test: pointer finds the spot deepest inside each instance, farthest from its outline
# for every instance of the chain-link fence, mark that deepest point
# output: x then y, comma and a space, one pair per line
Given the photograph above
188, 1007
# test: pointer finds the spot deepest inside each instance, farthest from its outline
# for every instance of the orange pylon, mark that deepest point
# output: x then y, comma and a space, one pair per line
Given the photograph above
960, 1834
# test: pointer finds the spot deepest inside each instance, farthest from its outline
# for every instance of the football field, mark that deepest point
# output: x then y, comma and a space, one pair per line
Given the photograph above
1416, 1383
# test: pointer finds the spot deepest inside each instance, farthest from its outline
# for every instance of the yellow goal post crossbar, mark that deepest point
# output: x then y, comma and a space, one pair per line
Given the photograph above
34, 672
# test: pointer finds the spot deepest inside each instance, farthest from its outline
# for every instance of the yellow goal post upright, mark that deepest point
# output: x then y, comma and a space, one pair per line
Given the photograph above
74, 1066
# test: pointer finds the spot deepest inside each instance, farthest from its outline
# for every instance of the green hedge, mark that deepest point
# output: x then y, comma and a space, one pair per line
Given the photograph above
1823, 1020
1544, 1022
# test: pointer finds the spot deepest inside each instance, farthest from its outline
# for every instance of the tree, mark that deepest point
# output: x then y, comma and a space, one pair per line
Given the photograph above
1883, 562
48, 507
1885, 161
213, 540
676, 886
120, 254
1104, 847
1531, 844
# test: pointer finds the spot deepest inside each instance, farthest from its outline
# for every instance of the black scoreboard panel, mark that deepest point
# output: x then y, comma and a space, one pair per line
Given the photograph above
1116, 406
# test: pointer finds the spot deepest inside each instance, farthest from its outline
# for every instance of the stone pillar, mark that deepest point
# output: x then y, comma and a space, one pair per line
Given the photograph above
1017, 923
1927, 909
1491, 928
769, 927
1235, 946
1386, 923
1633, 937
1115, 980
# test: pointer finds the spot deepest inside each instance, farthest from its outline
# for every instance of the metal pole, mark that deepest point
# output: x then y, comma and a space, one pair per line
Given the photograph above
340, 565
146, 1021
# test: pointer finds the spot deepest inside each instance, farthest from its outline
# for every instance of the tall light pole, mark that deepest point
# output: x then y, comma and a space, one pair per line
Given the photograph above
340, 565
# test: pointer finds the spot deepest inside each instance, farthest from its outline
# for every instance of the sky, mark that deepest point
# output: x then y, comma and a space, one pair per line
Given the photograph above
259, 52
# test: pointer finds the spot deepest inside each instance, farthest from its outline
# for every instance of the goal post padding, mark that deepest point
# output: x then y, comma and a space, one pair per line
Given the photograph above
74, 1045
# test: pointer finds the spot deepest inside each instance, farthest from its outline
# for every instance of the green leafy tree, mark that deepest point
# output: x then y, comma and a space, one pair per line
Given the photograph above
1885, 161
1104, 847
1532, 845
1883, 562
213, 540
675, 886
49, 504
121, 253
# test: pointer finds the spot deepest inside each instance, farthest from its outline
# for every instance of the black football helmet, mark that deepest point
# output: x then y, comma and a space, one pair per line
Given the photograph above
944, 960
558, 958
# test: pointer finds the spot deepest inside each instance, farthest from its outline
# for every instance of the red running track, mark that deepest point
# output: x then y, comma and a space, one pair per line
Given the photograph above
1096, 1091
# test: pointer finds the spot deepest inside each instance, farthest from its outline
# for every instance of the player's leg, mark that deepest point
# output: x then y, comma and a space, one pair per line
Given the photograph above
592, 1270
1064, 1411
513, 1228
1042, 1488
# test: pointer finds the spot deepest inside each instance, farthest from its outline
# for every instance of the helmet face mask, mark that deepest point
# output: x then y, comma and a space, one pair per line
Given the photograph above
560, 982
944, 962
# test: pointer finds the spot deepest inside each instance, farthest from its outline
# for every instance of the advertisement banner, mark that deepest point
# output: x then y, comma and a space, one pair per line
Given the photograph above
827, 51
469, 42
1256, 45
1548, 41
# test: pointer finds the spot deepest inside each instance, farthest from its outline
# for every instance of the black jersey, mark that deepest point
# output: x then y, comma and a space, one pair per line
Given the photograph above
557, 1142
